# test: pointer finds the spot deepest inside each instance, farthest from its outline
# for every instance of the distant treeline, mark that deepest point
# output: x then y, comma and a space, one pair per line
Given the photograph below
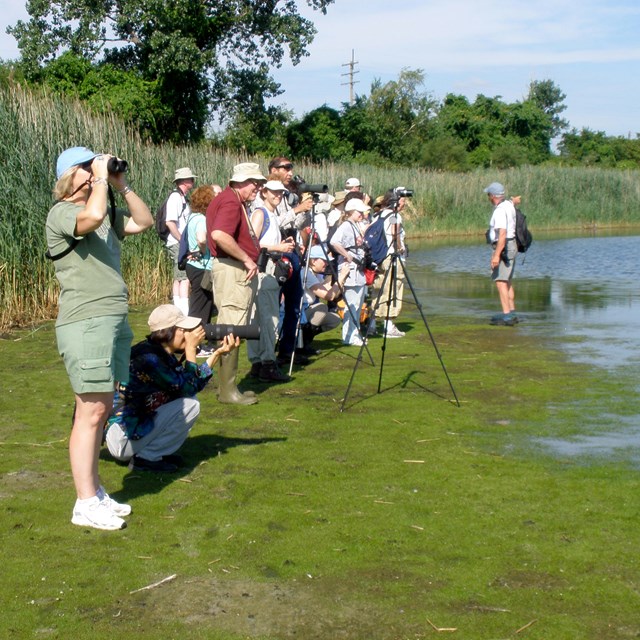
396, 124
36, 127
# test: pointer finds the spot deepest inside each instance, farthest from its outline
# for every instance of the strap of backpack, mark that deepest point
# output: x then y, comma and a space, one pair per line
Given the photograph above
74, 241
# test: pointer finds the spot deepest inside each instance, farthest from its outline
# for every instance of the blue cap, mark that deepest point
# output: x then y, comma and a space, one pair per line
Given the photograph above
317, 252
495, 189
72, 157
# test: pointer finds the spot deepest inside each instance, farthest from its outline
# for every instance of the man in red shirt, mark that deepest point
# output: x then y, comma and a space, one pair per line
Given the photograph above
235, 248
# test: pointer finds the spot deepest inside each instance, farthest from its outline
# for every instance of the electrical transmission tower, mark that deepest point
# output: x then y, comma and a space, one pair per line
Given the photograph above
351, 73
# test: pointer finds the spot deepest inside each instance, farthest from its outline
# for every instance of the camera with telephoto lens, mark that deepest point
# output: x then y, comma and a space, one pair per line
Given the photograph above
403, 192
116, 165
303, 187
215, 332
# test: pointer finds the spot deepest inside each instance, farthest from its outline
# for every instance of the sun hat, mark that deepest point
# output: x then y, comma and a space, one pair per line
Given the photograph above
247, 171
317, 253
168, 315
351, 183
339, 198
184, 173
356, 205
274, 185
495, 189
72, 157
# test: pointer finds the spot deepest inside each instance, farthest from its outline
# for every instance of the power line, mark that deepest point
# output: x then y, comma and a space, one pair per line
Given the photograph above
350, 73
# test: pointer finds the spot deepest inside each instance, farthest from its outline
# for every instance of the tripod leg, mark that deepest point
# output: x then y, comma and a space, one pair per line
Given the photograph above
372, 320
426, 324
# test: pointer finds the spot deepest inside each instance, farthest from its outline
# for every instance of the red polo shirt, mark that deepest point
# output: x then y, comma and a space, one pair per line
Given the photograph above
226, 213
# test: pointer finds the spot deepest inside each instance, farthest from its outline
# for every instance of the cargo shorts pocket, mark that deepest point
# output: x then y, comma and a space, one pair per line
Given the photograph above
96, 370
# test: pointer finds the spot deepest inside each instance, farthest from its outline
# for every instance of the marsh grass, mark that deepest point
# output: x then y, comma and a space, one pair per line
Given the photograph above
35, 128
292, 519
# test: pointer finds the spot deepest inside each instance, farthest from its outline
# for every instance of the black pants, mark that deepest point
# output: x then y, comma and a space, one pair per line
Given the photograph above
200, 300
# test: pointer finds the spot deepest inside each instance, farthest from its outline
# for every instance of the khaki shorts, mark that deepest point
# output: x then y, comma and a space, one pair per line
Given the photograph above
178, 274
504, 270
96, 352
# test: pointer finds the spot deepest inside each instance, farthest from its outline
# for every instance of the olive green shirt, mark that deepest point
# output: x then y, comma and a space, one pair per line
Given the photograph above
90, 278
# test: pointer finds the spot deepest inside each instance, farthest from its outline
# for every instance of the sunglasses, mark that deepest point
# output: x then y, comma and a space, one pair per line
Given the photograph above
284, 166
87, 166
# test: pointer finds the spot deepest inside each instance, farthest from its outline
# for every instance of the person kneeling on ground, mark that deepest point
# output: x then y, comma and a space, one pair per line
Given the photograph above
317, 291
154, 412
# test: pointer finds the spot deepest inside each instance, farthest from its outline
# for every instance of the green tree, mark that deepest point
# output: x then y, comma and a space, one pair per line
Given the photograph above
194, 52
496, 133
105, 87
445, 154
394, 121
318, 136
549, 97
595, 148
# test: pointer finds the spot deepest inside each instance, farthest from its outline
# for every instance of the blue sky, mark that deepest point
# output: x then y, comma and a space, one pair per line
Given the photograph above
589, 48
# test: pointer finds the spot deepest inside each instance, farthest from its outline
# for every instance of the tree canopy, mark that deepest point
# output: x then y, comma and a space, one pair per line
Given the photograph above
195, 57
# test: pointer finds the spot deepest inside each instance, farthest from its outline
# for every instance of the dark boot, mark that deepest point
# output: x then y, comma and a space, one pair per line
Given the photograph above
269, 372
309, 332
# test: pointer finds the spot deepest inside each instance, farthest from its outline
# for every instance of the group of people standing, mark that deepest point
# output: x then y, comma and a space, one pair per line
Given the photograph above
239, 237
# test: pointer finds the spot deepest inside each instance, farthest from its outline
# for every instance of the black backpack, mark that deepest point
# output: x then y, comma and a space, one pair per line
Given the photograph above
523, 235
161, 216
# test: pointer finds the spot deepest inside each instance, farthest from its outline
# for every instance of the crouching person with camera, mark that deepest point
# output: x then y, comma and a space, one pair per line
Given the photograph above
154, 411
317, 292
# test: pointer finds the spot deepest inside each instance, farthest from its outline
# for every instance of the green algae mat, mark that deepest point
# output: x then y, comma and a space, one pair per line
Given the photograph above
405, 516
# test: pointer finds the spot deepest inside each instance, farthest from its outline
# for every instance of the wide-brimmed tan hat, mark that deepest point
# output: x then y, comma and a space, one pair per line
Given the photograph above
339, 198
168, 315
247, 171
184, 173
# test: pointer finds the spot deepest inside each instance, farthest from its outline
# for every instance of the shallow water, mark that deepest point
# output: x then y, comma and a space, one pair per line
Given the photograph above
580, 295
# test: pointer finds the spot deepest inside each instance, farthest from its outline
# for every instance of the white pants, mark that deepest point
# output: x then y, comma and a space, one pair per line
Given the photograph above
353, 297
171, 426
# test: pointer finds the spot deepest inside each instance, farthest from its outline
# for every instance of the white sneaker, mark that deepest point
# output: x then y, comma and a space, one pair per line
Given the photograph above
117, 508
393, 331
95, 513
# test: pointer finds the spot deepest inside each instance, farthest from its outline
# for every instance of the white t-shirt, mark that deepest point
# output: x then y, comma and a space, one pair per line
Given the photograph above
504, 217
176, 213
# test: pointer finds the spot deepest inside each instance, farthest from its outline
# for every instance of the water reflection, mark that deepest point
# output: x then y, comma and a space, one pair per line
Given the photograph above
583, 288
578, 294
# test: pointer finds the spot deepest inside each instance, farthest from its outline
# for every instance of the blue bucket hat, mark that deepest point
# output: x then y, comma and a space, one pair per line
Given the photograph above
495, 189
72, 157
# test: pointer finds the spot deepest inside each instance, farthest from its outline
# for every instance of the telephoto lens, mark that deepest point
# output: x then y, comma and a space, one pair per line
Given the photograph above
116, 165
216, 332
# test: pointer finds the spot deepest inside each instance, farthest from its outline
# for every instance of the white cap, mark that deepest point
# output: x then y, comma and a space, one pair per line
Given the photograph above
274, 185
355, 204
351, 183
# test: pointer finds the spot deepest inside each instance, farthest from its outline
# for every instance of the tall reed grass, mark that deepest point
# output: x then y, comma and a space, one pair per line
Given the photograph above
35, 128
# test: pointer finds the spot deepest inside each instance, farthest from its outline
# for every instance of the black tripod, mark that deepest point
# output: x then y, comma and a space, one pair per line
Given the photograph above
392, 272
